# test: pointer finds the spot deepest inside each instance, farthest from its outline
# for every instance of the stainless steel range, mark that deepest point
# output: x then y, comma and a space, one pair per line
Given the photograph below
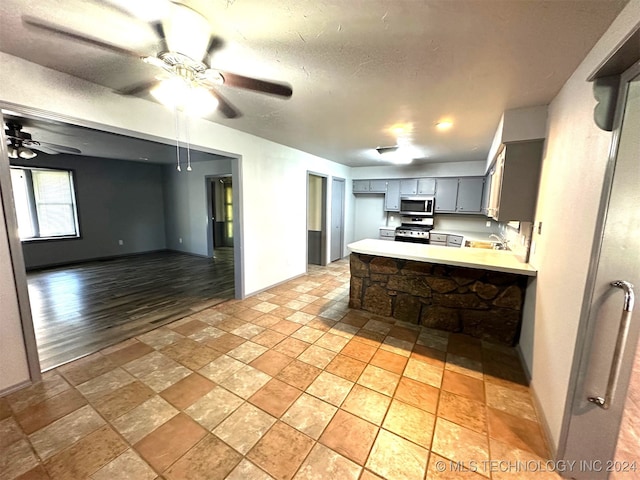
414, 229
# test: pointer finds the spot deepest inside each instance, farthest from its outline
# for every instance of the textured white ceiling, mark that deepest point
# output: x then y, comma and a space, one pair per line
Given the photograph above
357, 67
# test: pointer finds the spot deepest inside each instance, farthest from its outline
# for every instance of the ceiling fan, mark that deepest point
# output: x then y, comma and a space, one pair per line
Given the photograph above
21, 145
183, 71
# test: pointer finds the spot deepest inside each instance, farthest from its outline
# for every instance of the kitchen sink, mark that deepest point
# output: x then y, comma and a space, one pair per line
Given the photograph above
480, 244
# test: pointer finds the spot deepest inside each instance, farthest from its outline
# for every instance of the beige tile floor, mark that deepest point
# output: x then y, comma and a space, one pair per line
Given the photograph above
289, 383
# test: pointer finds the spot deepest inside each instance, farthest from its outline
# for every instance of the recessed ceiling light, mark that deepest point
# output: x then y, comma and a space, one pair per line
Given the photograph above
402, 129
444, 125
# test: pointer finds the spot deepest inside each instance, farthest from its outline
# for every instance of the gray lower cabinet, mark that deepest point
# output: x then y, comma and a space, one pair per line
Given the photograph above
426, 186
438, 239
387, 233
392, 196
454, 240
470, 192
446, 195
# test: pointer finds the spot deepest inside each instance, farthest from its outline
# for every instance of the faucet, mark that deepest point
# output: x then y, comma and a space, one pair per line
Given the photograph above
502, 243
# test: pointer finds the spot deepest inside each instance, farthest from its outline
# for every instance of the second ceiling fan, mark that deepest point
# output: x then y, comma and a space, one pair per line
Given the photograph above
183, 74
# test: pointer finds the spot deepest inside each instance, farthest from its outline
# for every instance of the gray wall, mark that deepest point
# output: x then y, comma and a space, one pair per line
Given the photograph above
187, 205
117, 200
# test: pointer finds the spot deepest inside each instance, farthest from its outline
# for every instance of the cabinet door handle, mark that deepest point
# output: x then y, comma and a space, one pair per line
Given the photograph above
623, 333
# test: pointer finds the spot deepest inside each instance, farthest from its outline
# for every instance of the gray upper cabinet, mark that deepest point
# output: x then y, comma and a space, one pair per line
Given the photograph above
514, 182
369, 186
459, 195
377, 186
426, 186
469, 195
409, 186
392, 196
446, 195
466, 195
360, 186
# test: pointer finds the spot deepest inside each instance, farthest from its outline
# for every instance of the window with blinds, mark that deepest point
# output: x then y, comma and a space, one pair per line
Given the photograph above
45, 203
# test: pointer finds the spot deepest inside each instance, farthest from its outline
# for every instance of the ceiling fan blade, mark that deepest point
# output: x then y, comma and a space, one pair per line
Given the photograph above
34, 22
158, 29
224, 106
138, 88
263, 86
60, 148
215, 44
44, 149
47, 147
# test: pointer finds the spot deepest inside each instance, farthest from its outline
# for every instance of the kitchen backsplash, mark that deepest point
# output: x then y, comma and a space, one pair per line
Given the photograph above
465, 223
454, 223
518, 236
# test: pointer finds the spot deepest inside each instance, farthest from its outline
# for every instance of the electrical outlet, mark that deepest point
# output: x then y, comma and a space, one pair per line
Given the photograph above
120, 242
180, 240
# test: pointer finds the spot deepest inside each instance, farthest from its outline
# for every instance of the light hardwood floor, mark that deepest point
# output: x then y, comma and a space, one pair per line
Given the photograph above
80, 309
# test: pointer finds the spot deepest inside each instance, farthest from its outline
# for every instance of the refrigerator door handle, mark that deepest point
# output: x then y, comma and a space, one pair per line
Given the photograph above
623, 332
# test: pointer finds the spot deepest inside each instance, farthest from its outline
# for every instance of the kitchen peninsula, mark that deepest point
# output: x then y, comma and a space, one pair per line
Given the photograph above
478, 292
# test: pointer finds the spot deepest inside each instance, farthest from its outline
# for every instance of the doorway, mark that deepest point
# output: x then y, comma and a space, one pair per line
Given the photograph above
145, 204
337, 218
603, 412
316, 219
220, 207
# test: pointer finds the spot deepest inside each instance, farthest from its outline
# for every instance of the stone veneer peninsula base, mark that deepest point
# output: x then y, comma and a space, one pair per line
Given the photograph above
481, 303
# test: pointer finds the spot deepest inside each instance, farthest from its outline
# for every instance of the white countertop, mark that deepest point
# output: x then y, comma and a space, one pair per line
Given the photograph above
496, 260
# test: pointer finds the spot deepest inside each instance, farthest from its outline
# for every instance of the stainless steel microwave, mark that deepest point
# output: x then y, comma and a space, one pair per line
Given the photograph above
417, 205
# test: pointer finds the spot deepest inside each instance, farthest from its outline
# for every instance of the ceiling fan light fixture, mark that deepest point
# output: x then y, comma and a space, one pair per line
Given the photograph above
26, 153
171, 92
178, 93
200, 102
12, 151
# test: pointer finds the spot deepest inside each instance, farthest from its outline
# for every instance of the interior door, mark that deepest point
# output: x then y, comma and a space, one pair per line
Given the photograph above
337, 218
316, 219
613, 323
